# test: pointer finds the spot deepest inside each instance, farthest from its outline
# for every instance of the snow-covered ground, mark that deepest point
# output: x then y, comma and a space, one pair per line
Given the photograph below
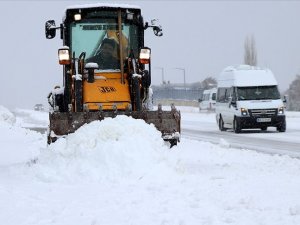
119, 171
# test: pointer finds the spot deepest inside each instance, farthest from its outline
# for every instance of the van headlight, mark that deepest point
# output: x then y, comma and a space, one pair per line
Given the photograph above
244, 112
281, 111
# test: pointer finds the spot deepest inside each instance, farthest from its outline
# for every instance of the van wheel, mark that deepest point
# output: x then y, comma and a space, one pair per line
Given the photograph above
282, 127
221, 125
236, 126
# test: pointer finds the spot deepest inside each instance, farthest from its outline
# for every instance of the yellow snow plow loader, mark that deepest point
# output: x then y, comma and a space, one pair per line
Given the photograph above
106, 70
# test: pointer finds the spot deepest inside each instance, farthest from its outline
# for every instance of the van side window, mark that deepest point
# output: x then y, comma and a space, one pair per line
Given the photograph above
233, 94
227, 94
221, 95
213, 97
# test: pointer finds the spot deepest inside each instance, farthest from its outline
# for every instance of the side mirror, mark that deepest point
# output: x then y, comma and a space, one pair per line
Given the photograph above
231, 102
156, 27
50, 29
158, 31
199, 100
285, 99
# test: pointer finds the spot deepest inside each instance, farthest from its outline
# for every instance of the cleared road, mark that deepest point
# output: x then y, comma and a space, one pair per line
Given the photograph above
203, 127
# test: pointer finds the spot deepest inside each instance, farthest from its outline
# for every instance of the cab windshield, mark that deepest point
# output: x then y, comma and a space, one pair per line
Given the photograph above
258, 93
89, 36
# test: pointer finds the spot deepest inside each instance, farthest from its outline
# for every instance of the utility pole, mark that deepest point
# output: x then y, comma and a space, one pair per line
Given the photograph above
184, 81
162, 74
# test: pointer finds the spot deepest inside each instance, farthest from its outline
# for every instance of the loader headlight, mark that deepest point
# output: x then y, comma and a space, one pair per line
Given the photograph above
244, 112
281, 111
145, 55
64, 55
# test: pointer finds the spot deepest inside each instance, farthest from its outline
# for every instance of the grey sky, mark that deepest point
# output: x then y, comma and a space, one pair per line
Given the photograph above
201, 36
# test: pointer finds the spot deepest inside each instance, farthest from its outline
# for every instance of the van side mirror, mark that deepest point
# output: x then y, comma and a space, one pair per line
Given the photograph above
285, 99
231, 102
50, 29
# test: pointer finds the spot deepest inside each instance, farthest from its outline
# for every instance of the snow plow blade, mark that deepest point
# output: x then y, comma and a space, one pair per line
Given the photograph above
167, 122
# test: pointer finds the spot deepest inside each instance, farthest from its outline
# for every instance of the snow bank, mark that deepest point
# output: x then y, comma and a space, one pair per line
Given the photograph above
108, 150
18, 145
6, 116
31, 118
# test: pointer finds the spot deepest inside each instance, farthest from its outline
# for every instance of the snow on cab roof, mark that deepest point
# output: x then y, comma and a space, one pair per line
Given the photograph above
108, 5
99, 5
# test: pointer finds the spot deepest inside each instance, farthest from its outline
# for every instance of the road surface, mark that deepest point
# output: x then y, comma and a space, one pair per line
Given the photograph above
203, 127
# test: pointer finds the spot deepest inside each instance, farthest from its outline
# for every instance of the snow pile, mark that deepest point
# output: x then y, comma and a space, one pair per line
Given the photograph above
114, 148
6, 116
18, 145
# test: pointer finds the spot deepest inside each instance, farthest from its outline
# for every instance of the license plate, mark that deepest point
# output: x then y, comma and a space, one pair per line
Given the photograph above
261, 120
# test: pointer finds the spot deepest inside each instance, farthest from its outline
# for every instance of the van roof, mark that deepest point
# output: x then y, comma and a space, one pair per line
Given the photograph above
245, 76
212, 90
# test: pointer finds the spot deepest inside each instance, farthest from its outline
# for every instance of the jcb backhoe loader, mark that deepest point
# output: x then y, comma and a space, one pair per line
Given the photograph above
107, 70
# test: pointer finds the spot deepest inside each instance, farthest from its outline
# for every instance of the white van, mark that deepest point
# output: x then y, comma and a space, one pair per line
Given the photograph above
208, 100
248, 97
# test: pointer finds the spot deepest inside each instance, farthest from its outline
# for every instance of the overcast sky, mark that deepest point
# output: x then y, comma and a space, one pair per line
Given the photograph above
202, 37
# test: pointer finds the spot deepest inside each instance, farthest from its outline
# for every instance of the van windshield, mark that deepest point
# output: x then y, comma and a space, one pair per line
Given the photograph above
258, 93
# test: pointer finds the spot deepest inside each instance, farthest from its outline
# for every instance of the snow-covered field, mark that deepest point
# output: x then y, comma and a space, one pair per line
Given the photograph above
119, 171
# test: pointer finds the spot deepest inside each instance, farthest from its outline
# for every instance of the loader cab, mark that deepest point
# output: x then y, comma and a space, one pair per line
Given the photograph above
86, 30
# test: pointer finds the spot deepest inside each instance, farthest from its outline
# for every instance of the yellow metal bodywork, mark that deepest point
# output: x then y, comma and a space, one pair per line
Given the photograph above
107, 91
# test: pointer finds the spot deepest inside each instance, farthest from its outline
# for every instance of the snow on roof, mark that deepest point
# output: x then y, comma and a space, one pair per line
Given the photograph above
212, 90
245, 76
108, 5
99, 5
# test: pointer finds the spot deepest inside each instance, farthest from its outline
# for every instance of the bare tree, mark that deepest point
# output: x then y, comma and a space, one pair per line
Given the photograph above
294, 95
250, 55
209, 83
